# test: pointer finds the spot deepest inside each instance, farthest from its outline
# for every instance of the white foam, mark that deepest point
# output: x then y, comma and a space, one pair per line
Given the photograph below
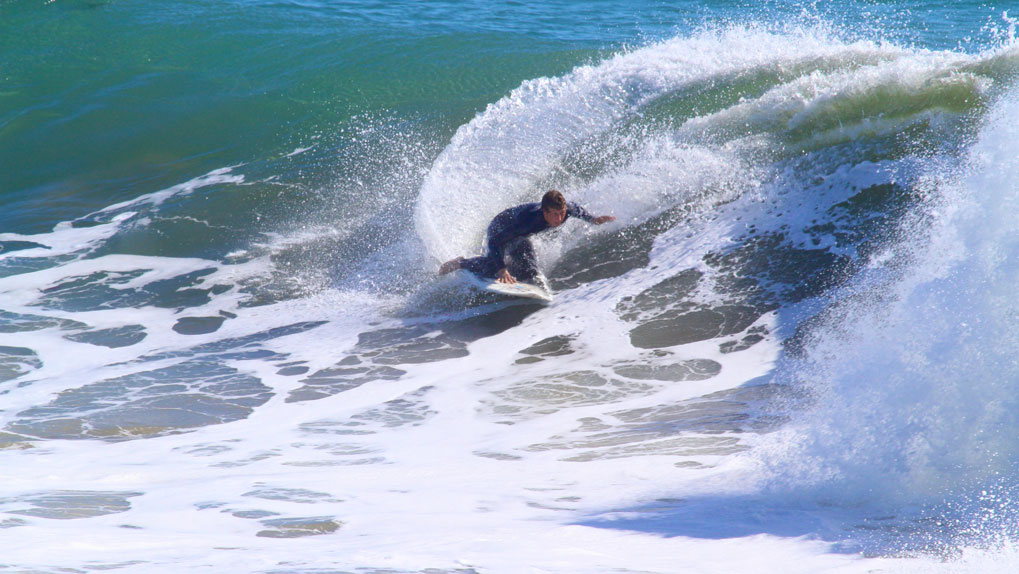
913, 376
68, 239
480, 462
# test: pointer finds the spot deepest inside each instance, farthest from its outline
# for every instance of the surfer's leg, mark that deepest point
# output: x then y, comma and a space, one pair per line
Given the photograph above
451, 266
523, 262
481, 266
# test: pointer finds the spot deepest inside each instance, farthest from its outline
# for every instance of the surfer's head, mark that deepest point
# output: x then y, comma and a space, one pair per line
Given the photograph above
553, 207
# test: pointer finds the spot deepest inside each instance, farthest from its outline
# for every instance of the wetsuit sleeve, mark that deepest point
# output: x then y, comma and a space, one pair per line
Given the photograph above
575, 210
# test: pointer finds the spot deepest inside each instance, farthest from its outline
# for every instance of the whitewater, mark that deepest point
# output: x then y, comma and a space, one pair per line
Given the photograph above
794, 350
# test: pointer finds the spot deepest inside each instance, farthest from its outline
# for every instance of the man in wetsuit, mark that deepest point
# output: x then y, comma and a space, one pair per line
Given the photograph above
509, 236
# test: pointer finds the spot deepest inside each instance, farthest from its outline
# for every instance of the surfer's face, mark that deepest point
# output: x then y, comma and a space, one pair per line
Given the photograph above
554, 217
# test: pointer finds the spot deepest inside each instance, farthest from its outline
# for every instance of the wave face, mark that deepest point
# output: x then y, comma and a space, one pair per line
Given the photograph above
887, 167
709, 117
796, 341
912, 366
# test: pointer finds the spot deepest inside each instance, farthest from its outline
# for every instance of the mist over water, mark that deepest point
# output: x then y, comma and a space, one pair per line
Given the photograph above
791, 352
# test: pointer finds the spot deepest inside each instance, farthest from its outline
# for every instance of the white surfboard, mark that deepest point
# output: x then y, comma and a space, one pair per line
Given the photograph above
538, 291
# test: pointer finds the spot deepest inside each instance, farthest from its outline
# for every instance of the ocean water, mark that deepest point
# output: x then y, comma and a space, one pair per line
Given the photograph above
224, 346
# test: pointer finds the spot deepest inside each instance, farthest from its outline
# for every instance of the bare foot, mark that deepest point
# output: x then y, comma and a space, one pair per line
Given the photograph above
450, 266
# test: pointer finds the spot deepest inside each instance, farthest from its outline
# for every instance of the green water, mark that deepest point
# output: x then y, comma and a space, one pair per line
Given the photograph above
103, 101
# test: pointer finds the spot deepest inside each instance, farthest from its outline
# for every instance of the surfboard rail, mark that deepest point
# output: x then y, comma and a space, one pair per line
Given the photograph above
538, 290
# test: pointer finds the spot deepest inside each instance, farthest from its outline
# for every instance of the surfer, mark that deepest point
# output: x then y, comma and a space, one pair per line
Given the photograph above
509, 237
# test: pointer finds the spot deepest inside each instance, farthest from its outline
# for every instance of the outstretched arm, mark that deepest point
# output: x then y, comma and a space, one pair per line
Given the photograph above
575, 210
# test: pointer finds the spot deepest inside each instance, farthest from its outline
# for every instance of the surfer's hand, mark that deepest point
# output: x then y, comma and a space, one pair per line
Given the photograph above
603, 219
504, 276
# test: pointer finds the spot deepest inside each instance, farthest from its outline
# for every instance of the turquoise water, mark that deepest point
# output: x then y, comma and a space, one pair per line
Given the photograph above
105, 101
220, 225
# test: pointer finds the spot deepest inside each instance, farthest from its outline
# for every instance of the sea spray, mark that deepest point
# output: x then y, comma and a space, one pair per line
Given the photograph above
503, 155
913, 377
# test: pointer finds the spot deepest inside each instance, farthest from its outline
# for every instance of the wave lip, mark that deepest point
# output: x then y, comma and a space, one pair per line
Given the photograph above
632, 133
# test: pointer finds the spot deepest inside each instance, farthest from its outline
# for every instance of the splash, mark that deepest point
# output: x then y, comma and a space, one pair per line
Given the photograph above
688, 123
914, 370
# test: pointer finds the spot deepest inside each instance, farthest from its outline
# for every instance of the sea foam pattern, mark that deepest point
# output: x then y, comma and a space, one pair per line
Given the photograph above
790, 353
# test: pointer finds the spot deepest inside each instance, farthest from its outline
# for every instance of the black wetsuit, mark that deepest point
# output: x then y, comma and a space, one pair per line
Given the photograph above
508, 237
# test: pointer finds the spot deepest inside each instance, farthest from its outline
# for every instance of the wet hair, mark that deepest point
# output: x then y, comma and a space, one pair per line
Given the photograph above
553, 200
